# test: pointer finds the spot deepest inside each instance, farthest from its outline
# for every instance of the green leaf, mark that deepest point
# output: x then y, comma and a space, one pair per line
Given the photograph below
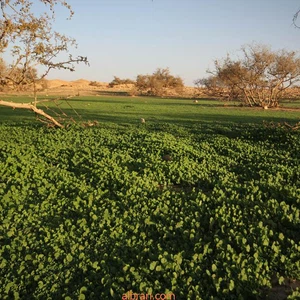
265, 242
153, 265
281, 280
158, 268
178, 258
8, 287
231, 285
69, 257
83, 289
106, 214
163, 260
28, 257
142, 286
214, 268
244, 275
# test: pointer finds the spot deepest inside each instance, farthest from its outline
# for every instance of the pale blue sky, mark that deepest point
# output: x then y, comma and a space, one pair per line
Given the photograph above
130, 37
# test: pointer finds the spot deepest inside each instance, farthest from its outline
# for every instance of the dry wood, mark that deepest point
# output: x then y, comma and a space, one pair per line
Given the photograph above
33, 108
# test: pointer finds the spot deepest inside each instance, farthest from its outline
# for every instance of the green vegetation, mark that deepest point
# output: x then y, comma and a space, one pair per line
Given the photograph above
129, 110
202, 200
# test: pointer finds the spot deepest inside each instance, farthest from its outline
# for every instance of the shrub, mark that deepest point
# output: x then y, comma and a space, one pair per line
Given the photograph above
160, 83
119, 81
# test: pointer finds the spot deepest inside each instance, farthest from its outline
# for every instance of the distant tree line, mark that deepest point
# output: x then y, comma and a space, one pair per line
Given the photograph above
259, 77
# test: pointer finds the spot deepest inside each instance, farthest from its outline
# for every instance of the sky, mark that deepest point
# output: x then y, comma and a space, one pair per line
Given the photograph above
125, 38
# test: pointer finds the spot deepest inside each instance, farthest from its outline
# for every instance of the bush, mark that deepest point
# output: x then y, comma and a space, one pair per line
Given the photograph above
160, 83
94, 83
119, 81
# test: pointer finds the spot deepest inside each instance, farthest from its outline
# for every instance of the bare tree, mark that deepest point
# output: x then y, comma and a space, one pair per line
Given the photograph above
32, 42
259, 78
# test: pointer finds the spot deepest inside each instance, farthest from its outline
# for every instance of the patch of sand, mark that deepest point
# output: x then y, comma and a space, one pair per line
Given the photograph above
54, 83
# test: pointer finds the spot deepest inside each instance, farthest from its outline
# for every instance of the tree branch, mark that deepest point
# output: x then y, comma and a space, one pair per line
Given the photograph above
31, 107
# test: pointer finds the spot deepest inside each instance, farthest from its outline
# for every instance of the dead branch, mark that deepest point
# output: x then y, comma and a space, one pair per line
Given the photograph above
283, 125
31, 107
52, 99
90, 123
294, 127
295, 18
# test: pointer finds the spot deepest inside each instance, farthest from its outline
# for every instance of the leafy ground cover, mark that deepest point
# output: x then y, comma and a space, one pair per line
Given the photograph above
204, 206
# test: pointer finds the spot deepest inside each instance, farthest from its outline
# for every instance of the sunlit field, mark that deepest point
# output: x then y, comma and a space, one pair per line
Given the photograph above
129, 110
199, 202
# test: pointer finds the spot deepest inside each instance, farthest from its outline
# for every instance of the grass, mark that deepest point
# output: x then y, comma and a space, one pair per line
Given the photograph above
129, 110
294, 103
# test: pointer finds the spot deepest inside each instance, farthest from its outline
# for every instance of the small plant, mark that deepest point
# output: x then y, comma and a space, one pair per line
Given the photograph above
94, 83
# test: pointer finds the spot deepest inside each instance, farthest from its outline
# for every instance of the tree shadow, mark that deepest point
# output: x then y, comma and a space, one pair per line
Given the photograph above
112, 93
133, 117
10, 115
122, 111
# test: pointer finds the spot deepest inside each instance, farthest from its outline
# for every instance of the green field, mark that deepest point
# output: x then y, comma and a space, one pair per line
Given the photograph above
129, 110
201, 201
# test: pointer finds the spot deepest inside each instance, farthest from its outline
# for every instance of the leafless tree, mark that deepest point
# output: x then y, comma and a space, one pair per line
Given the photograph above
259, 78
32, 42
